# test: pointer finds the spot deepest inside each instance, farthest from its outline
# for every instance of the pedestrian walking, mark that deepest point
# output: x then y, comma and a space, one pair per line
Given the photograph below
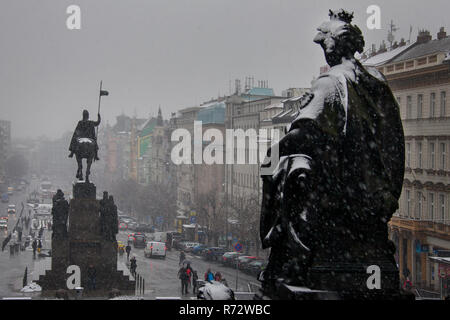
184, 277
34, 245
194, 281
92, 277
189, 273
39, 246
133, 266
209, 276
128, 250
218, 276
182, 257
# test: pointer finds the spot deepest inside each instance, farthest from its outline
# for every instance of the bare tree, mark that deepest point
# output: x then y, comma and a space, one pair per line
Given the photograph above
246, 210
211, 212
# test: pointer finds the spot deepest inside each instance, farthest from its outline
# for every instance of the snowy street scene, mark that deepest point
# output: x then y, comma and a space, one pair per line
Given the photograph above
226, 157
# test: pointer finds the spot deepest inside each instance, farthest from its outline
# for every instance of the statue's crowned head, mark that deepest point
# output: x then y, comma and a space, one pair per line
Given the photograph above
85, 114
339, 38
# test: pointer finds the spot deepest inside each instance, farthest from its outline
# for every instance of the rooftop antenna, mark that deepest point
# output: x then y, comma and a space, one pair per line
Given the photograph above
392, 29
410, 32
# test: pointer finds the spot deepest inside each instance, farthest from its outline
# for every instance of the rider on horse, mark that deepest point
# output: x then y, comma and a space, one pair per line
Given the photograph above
85, 129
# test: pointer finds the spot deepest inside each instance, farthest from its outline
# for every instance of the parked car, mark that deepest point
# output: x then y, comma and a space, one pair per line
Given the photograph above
155, 249
214, 253
198, 249
255, 267
243, 260
229, 258
11, 209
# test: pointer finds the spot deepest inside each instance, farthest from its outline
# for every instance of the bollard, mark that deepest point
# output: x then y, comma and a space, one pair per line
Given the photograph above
79, 293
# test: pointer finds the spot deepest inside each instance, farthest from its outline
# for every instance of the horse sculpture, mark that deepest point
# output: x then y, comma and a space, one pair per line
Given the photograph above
86, 149
84, 144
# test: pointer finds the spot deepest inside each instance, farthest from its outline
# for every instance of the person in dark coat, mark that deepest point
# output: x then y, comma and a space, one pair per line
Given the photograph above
92, 277
133, 266
182, 257
85, 129
184, 277
34, 246
39, 245
128, 250
194, 281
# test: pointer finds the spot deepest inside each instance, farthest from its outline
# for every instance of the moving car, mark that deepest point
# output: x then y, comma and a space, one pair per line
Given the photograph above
10, 191
188, 246
155, 249
139, 240
3, 224
12, 209
5, 198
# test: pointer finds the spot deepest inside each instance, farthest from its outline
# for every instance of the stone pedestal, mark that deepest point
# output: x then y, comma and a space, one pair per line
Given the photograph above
84, 246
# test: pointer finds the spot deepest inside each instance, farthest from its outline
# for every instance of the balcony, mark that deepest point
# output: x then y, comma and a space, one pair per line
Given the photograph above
428, 227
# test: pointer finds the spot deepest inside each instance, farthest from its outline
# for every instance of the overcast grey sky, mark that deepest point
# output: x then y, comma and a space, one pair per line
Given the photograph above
173, 53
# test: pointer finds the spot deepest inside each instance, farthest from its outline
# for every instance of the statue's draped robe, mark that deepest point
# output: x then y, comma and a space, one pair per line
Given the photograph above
339, 177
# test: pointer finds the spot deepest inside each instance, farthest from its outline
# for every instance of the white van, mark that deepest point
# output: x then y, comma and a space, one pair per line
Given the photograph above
155, 249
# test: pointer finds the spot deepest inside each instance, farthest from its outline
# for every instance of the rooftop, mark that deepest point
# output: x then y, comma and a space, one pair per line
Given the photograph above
424, 49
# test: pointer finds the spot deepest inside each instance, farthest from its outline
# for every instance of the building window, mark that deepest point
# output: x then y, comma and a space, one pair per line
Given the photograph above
432, 155
408, 203
419, 205
443, 155
408, 155
399, 66
432, 105
419, 106
432, 59
421, 61
410, 64
443, 103
390, 68
399, 101
442, 205
419, 154
408, 107
431, 201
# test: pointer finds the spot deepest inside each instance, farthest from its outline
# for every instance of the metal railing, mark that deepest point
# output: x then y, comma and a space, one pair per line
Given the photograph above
139, 289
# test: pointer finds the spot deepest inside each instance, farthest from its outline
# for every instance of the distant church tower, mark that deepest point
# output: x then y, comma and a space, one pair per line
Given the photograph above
159, 122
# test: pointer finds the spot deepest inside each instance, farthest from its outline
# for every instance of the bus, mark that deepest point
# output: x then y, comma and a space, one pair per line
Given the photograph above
45, 190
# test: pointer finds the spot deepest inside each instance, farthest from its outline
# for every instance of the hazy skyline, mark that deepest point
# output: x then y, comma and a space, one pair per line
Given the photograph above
174, 54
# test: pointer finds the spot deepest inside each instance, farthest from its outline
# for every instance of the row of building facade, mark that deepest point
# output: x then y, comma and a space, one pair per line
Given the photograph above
419, 76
